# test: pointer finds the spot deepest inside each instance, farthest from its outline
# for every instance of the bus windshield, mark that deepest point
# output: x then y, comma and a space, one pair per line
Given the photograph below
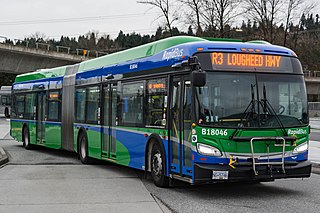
252, 100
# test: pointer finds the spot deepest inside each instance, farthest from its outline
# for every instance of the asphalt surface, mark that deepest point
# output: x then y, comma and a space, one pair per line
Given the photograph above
289, 195
46, 180
315, 135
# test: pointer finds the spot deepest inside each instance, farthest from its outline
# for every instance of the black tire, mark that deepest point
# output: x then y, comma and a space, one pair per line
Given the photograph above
6, 112
26, 139
158, 167
83, 149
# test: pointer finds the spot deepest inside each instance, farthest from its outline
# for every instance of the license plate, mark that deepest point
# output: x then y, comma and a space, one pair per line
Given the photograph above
220, 175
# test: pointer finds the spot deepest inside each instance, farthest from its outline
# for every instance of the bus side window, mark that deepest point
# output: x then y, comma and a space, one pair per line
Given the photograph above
20, 106
93, 104
30, 103
54, 106
156, 102
80, 102
132, 104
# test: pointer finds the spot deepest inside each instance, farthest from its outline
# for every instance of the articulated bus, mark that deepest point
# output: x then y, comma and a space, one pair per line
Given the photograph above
193, 109
5, 100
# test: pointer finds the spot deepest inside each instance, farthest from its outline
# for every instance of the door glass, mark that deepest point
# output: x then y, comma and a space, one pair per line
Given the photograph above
106, 119
44, 117
39, 111
187, 123
41, 117
114, 117
175, 122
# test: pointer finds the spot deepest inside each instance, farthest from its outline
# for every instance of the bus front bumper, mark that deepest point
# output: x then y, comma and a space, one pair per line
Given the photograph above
207, 173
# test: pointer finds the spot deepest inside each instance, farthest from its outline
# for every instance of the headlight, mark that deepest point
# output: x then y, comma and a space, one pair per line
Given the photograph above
208, 150
301, 148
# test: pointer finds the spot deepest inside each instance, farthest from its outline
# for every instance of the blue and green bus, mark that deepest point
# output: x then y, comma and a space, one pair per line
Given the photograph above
186, 108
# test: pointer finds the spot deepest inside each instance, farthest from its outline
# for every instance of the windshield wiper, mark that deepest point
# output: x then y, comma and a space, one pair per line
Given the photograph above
246, 113
268, 106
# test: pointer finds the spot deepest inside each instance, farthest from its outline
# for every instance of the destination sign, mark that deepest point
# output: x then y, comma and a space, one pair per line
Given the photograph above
246, 60
249, 62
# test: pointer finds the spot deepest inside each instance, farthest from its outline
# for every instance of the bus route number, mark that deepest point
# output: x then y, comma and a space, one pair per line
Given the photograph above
214, 132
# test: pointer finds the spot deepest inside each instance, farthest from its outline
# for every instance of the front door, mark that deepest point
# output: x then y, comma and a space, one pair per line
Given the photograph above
109, 121
180, 126
41, 117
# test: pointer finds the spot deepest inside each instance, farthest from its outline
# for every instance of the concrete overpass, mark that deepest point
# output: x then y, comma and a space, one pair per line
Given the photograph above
19, 59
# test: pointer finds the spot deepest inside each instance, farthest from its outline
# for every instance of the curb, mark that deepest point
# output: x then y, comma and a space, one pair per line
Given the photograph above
315, 164
315, 128
3, 157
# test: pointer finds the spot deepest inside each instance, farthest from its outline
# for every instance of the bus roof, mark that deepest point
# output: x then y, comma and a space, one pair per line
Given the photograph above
153, 50
142, 51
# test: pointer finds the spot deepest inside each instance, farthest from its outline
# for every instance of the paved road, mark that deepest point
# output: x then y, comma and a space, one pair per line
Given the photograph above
291, 195
315, 135
45, 180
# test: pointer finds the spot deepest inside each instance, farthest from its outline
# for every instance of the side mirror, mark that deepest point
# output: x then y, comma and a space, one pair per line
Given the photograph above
199, 78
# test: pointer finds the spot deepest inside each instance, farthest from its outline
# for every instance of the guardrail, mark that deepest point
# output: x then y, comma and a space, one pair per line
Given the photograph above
53, 48
314, 106
314, 109
311, 74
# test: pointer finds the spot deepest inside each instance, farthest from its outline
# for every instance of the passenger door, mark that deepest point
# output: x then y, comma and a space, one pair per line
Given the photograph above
109, 121
41, 117
180, 126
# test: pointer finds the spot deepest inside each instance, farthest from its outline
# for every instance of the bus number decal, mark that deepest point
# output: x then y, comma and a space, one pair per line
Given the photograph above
214, 132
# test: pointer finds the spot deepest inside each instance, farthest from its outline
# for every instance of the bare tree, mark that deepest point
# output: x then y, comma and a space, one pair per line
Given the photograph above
219, 13
305, 10
266, 13
38, 36
165, 8
195, 6
209, 16
292, 8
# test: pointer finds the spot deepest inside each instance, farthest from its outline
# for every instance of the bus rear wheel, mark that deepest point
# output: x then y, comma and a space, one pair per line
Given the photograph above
6, 112
83, 148
158, 167
26, 138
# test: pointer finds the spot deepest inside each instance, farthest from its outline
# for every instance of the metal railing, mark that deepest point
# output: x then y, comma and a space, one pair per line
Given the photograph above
314, 106
311, 74
48, 47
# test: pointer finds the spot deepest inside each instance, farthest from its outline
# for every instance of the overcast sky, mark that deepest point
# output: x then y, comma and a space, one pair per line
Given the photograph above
21, 18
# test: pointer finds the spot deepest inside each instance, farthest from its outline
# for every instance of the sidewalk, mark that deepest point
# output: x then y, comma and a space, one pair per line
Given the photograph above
4, 129
71, 187
315, 123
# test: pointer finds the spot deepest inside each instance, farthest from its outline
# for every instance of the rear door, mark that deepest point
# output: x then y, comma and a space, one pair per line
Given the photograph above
109, 121
41, 117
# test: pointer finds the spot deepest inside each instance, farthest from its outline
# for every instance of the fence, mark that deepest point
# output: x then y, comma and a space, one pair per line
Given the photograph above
311, 74
48, 47
314, 109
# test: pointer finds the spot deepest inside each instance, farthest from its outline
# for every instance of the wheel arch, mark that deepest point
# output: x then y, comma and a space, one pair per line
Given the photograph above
24, 126
81, 131
154, 138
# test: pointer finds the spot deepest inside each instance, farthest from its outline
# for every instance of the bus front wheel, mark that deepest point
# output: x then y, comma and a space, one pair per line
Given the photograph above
83, 149
158, 167
6, 112
26, 138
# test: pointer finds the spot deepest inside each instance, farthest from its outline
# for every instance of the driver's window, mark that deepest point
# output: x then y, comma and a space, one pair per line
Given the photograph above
156, 102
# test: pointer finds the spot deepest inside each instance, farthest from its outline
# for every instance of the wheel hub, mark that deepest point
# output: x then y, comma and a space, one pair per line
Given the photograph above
83, 150
157, 164
26, 140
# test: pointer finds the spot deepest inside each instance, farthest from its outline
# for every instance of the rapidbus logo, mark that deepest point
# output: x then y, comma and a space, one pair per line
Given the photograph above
297, 132
174, 53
